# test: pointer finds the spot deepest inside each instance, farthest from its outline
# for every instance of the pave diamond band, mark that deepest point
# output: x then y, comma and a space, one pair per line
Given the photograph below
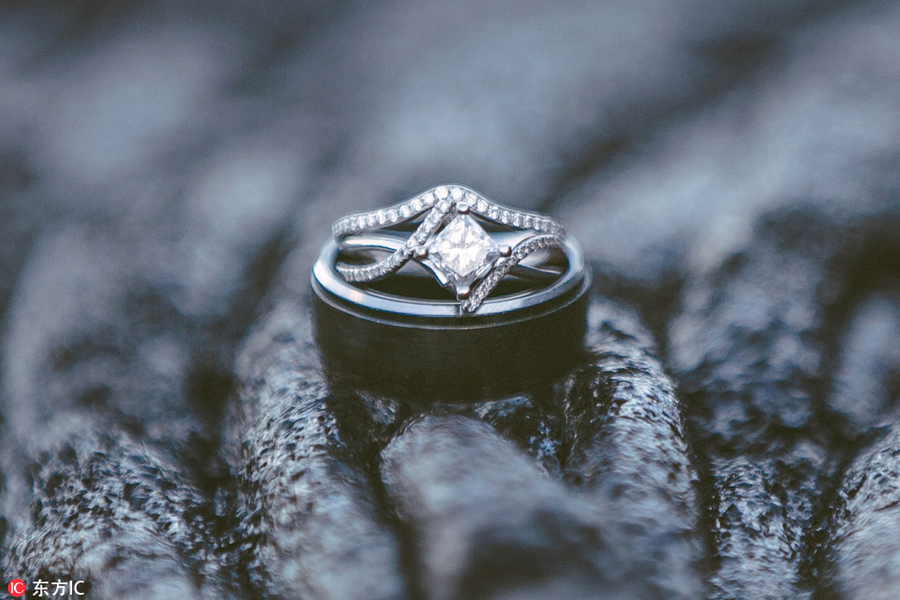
446, 195
451, 239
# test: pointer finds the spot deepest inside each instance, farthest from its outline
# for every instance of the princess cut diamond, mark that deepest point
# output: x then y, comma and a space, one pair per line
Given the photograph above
461, 253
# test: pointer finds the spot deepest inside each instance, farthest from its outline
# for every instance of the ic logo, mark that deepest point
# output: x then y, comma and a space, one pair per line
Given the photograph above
16, 588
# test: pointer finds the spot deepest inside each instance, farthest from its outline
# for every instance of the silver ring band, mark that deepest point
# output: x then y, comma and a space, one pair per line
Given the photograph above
326, 277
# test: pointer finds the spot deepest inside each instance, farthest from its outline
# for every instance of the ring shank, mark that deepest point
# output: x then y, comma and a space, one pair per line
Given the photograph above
325, 275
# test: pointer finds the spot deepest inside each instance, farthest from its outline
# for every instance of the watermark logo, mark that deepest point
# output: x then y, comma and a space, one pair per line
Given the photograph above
45, 589
16, 588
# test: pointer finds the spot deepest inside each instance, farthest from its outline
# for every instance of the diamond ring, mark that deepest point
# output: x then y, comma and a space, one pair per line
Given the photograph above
480, 297
449, 241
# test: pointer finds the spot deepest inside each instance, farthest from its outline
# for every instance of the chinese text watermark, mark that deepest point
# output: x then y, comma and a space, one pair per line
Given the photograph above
46, 589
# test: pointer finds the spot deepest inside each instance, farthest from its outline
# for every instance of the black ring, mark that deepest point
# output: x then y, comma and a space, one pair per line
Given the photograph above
441, 354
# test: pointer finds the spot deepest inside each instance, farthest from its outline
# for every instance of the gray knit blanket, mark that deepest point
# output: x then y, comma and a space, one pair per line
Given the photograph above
168, 171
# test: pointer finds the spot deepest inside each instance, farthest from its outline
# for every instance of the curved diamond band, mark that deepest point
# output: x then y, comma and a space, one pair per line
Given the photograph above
515, 315
448, 241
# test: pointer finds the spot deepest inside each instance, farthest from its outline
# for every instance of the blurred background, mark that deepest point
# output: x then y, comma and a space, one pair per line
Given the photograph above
160, 159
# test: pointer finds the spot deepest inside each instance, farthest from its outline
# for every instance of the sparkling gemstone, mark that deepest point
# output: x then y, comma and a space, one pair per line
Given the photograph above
462, 252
